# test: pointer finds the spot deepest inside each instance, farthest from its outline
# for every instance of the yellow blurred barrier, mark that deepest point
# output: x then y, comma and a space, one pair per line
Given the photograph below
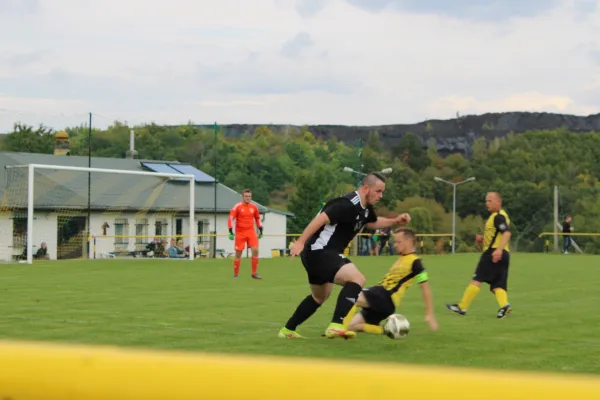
36, 371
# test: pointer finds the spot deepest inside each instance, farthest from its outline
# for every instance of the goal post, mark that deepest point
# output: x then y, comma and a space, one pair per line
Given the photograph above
57, 202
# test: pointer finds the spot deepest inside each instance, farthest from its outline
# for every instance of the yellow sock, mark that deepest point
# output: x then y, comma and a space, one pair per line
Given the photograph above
501, 297
349, 317
470, 294
368, 328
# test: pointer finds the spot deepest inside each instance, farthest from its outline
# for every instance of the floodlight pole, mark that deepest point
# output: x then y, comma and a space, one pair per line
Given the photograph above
454, 185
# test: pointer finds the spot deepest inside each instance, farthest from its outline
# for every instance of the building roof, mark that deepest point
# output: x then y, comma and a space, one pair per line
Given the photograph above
55, 189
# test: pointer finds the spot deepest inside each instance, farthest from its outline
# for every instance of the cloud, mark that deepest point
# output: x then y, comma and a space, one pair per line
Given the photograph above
292, 61
476, 10
294, 47
19, 7
309, 8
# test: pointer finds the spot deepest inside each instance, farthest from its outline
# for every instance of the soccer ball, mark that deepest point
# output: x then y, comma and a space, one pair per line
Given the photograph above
396, 326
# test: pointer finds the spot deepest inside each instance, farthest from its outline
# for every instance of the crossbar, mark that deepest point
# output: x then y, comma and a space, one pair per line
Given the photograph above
103, 170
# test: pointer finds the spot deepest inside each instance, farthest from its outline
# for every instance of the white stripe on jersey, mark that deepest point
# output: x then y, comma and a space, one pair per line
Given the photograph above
324, 237
356, 200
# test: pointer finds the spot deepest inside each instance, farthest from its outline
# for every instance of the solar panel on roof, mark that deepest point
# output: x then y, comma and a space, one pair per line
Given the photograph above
199, 176
162, 168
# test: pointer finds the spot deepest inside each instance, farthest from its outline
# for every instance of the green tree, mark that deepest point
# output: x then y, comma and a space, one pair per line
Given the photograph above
421, 220
411, 152
26, 138
310, 192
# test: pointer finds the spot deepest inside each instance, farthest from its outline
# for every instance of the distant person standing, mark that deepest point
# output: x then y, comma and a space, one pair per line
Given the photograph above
245, 214
384, 239
567, 228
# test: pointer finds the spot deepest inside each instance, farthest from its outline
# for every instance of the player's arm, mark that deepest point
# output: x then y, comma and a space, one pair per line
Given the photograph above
422, 279
257, 219
382, 222
232, 216
331, 214
503, 229
319, 221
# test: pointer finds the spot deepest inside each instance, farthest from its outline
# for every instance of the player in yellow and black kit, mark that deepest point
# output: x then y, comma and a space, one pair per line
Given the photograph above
494, 261
380, 301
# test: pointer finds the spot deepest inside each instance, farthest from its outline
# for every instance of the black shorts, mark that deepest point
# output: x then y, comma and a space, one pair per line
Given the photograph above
381, 305
322, 265
495, 274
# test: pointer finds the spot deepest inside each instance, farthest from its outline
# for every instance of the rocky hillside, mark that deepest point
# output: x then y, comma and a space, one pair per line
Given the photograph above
452, 135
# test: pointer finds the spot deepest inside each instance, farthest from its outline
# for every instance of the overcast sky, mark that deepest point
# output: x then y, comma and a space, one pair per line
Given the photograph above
350, 62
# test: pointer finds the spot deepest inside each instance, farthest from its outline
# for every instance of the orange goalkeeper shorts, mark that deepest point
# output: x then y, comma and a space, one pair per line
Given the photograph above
243, 238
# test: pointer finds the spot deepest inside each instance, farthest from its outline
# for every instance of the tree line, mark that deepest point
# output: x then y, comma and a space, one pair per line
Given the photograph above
298, 172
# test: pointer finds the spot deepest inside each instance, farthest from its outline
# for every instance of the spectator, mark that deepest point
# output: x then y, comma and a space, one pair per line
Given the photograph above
367, 242
174, 251
161, 249
42, 253
567, 228
384, 240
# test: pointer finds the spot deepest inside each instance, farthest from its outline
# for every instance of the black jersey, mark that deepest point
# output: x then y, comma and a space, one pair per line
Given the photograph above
347, 216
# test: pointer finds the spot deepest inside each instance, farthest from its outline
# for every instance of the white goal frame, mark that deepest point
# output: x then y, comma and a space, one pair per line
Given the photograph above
31, 197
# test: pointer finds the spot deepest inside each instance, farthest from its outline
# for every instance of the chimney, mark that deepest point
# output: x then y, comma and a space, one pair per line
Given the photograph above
131, 153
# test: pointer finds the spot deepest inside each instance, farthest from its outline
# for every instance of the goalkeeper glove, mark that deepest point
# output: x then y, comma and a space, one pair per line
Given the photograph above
230, 234
261, 232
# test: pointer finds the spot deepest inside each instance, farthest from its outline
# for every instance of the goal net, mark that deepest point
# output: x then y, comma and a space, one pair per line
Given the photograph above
62, 212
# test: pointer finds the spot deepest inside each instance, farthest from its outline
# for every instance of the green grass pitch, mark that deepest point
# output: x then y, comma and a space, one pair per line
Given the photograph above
198, 306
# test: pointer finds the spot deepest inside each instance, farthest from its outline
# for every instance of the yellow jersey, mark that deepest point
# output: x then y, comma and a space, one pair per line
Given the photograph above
497, 223
405, 271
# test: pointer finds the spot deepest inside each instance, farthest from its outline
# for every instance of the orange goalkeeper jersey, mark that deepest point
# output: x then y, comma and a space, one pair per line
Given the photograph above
244, 216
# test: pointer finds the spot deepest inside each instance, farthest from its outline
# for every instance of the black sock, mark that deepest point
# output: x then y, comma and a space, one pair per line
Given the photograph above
305, 310
346, 300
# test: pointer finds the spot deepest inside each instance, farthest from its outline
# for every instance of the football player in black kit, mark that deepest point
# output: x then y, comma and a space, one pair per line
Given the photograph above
321, 247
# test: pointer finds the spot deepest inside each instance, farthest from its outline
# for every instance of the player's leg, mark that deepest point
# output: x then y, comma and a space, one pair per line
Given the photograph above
500, 287
365, 321
307, 307
474, 287
361, 302
239, 245
253, 244
352, 280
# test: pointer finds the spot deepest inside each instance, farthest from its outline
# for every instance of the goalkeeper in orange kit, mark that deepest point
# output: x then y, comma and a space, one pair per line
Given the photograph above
245, 214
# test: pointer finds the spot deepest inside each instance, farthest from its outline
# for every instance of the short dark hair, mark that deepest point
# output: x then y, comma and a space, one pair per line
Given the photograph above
407, 232
372, 177
247, 191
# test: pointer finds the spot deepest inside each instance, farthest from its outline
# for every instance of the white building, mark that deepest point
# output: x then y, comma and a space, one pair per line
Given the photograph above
126, 211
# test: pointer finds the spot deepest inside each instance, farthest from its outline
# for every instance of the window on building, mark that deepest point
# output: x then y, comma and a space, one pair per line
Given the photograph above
121, 229
178, 227
19, 232
160, 228
141, 232
203, 228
